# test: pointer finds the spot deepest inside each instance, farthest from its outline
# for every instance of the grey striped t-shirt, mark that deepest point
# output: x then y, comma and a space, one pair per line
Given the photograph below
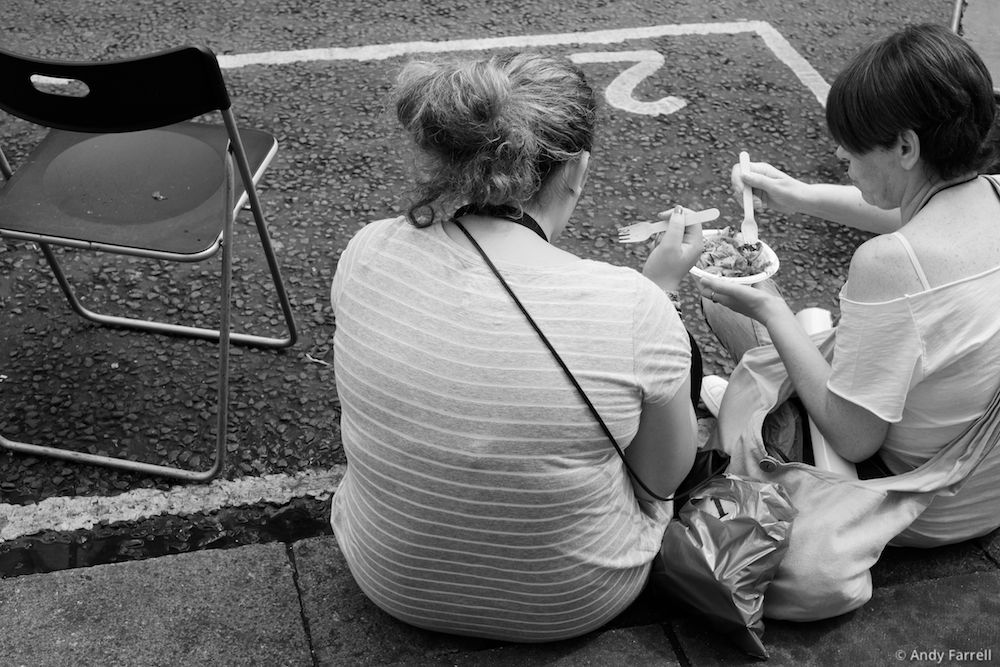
481, 497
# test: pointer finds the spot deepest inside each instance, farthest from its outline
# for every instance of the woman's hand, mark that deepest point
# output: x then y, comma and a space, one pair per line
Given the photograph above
678, 250
772, 188
755, 303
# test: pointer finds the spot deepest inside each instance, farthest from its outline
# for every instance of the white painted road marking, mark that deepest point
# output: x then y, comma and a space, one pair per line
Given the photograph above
619, 91
66, 513
773, 39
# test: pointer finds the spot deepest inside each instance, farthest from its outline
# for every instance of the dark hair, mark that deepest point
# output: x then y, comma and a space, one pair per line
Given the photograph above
491, 130
923, 78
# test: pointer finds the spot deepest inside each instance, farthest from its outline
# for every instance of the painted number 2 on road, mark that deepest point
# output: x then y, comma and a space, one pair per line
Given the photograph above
619, 91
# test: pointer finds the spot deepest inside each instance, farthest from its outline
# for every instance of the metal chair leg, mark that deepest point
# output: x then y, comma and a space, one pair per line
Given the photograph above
956, 16
243, 165
223, 336
121, 464
201, 333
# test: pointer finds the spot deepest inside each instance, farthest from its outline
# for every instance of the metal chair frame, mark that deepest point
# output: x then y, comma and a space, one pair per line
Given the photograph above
956, 15
131, 95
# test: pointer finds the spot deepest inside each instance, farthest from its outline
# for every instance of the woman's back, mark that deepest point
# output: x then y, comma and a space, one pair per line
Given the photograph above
481, 496
931, 289
926, 360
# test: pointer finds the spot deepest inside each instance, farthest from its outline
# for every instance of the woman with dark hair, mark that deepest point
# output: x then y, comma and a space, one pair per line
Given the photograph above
481, 495
916, 348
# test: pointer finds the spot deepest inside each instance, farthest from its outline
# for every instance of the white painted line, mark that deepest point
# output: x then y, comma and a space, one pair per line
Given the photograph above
397, 49
66, 513
619, 91
781, 48
787, 54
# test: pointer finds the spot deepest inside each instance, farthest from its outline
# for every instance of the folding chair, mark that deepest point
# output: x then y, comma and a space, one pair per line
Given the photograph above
123, 169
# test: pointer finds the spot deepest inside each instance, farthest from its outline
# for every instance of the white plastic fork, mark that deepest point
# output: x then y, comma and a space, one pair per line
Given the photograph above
640, 231
749, 226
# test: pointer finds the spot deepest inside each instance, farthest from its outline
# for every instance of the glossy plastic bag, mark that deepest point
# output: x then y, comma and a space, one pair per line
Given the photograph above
721, 551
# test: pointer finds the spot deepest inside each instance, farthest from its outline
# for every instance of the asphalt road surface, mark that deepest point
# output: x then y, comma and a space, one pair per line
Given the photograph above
688, 85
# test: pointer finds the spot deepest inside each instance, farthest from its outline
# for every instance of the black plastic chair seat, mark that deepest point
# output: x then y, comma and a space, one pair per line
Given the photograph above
159, 190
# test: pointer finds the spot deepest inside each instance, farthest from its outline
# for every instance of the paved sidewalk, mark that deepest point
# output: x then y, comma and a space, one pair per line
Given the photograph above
980, 25
296, 604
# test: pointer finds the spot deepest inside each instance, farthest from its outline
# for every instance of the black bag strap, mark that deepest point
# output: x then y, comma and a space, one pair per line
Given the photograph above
562, 364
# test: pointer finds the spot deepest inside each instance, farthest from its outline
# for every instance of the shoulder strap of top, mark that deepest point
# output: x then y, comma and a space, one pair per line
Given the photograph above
913, 259
995, 182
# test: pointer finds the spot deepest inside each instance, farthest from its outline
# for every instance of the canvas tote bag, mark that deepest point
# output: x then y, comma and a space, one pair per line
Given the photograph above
842, 524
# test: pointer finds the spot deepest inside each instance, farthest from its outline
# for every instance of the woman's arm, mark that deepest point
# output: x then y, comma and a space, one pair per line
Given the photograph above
843, 204
852, 431
663, 449
838, 203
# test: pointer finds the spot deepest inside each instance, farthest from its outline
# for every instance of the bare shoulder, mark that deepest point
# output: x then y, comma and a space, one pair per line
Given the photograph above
956, 235
881, 270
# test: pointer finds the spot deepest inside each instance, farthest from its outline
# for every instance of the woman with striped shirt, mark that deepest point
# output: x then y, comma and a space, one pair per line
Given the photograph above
481, 496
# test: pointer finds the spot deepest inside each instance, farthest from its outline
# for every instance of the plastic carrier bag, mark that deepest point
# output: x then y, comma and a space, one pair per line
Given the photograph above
721, 551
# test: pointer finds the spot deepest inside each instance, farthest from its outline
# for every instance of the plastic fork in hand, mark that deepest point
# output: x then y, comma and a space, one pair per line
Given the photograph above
749, 226
640, 231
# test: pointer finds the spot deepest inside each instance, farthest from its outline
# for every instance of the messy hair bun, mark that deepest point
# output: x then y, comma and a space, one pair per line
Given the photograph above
491, 130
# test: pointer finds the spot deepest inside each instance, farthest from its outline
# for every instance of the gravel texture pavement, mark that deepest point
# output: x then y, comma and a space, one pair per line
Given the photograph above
340, 164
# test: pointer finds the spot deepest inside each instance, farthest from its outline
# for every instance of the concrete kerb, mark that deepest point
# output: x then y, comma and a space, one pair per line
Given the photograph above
297, 604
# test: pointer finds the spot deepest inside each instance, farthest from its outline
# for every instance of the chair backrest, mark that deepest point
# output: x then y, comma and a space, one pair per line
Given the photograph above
120, 96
